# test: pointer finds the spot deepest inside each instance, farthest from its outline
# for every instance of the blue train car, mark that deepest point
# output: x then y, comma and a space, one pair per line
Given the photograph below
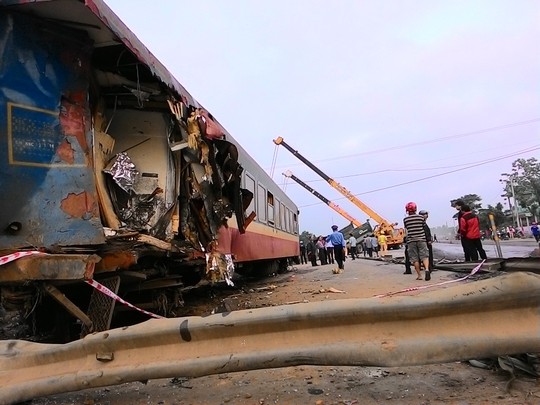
115, 176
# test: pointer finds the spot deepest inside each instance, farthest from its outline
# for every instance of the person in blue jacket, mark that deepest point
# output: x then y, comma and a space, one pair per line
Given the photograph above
339, 244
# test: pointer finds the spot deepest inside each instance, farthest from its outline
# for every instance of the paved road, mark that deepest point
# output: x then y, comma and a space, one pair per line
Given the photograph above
509, 248
452, 250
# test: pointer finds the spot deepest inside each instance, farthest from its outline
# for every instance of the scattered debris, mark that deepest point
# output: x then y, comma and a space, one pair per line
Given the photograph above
328, 290
334, 290
267, 288
315, 391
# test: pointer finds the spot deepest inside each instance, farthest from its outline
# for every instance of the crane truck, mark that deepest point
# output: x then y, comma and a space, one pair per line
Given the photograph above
395, 235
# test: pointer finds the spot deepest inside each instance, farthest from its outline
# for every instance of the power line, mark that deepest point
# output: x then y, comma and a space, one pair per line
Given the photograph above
274, 161
408, 170
439, 174
430, 141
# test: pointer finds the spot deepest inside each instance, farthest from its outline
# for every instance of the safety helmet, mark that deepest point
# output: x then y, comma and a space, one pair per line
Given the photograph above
410, 207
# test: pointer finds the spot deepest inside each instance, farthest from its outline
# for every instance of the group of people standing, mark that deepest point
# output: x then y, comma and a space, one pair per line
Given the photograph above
418, 242
469, 232
372, 245
329, 249
324, 248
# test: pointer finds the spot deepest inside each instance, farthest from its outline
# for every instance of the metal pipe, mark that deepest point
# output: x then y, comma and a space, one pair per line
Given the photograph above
495, 235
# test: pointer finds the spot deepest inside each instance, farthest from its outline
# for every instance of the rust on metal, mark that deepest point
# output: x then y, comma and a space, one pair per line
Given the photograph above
49, 267
82, 205
65, 152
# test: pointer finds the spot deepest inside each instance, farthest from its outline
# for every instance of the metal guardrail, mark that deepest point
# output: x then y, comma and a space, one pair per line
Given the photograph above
477, 319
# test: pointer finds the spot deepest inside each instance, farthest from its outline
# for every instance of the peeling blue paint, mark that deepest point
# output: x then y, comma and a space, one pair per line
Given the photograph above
39, 69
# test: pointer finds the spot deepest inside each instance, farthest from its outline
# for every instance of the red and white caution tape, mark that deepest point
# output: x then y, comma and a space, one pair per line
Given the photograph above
106, 291
100, 287
17, 255
423, 287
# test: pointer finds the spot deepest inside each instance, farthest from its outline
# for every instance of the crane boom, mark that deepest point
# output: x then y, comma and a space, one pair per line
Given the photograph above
395, 236
351, 197
325, 200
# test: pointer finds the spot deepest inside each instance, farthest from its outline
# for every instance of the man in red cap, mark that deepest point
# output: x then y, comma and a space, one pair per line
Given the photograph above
416, 240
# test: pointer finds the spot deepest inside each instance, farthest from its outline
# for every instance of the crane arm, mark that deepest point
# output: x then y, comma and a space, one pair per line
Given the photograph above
351, 197
335, 207
360, 204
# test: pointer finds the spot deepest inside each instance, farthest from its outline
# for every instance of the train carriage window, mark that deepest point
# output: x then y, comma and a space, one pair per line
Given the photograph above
288, 220
278, 217
261, 204
270, 207
249, 184
282, 213
295, 224
291, 226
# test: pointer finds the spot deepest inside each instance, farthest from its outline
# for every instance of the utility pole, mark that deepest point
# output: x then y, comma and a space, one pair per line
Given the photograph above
513, 209
518, 222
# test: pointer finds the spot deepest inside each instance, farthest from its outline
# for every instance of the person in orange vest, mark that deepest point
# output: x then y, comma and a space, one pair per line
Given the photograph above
383, 243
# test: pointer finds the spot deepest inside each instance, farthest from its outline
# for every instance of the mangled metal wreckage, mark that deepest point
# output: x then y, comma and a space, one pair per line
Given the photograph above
112, 171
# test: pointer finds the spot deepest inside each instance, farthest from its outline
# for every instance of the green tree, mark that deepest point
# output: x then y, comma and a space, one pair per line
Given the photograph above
501, 218
305, 237
524, 182
498, 213
472, 200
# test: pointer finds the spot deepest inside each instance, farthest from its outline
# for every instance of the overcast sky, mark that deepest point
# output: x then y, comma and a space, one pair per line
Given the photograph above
396, 100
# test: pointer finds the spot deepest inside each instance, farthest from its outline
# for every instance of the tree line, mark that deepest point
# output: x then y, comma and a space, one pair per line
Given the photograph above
521, 186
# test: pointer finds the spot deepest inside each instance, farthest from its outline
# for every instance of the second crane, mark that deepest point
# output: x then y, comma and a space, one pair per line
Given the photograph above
395, 236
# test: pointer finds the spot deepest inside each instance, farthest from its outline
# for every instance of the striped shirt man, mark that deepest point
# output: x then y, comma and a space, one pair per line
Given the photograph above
414, 224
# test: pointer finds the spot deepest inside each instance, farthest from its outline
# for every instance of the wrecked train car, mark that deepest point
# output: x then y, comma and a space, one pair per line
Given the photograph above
113, 173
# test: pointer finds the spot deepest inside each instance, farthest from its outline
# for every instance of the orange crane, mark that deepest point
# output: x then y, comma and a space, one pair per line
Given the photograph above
356, 228
325, 200
395, 236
